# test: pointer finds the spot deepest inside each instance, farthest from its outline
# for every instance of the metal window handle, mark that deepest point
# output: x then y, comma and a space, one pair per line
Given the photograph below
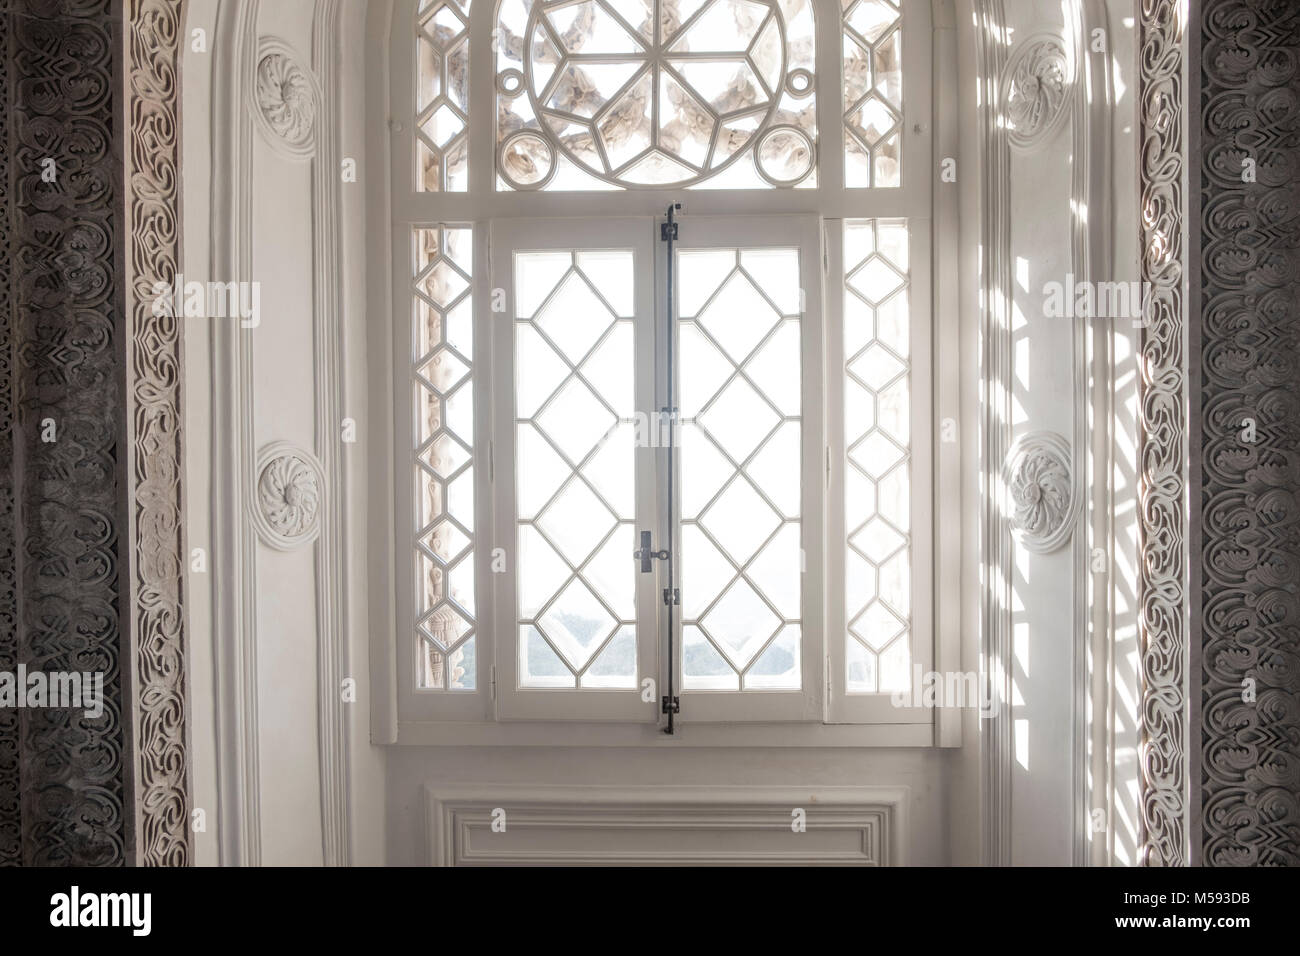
645, 554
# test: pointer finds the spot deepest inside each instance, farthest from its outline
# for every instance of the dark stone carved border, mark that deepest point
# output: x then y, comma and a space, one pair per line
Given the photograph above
154, 362
1163, 447
91, 538
1250, 339
62, 499
10, 781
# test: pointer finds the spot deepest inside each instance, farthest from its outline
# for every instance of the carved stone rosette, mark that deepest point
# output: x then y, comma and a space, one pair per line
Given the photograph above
285, 100
1040, 486
288, 496
1035, 87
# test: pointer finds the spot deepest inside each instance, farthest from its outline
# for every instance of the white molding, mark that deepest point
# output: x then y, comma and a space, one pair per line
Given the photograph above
1092, 242
870, 822
946, 367
993, 152
233, 537
333, 593
381, 273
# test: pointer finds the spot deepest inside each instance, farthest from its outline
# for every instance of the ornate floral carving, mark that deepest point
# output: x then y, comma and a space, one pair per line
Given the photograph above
1250, 430
1040, 483
1162, 440
1035, 89
290, 484
285, 98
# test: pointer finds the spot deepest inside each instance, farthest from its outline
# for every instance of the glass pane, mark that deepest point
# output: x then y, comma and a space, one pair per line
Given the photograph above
443, 429
741, 468
442, 96
877, 470
872, 59
575, 442
623, 94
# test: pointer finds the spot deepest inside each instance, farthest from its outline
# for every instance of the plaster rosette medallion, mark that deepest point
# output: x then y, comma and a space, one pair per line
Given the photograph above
288, 496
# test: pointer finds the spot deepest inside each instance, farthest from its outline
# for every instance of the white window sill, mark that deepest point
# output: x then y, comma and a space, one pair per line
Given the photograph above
449, 733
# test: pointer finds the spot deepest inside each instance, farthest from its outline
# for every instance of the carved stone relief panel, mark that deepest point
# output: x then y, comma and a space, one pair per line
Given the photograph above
1249, 406
64, 795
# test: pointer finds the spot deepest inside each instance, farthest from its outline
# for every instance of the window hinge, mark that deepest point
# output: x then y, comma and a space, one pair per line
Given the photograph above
828, 466
492, 682
492, 462
827, 668
672, 596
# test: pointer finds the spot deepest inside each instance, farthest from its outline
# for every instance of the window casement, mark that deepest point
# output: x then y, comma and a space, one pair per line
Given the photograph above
785, 465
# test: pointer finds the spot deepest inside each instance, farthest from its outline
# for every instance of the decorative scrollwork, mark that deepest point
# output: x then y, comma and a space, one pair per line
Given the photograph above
290, 485
1040, 482
1249, 677
1162, 438
159, 706
1035, 89
63, 591
286, 99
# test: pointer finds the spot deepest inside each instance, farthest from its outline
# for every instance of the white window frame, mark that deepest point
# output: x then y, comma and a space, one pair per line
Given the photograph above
756, 232
509, 238
479, 717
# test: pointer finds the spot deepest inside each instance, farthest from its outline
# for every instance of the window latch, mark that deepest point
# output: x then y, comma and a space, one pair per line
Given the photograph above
645, 554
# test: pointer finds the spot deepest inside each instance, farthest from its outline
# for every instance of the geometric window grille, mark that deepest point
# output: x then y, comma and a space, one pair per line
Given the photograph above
575, 444
443, 351
650, 93
740, 398
873, 93
877, 413
442, 96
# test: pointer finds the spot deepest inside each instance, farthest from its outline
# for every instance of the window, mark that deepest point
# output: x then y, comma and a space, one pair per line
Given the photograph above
443, 470
651, 93
783, 462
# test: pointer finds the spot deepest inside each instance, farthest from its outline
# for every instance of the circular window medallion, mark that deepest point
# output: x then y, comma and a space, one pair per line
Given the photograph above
510, 82
799, 83
526, 160
638, 106
785, 155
